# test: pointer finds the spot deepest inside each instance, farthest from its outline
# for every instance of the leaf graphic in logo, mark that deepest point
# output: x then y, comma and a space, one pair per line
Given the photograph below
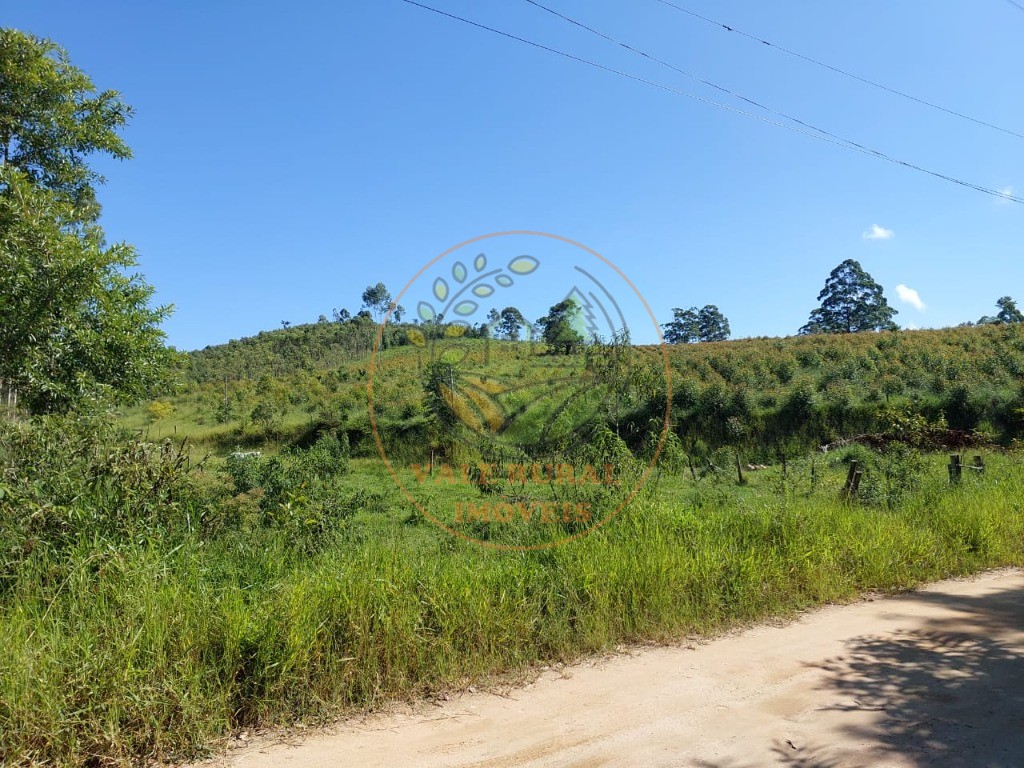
483, 290
459, 272
523, 265
504, 281
480, 262
465, 308
426, 312
415, 336
440, 289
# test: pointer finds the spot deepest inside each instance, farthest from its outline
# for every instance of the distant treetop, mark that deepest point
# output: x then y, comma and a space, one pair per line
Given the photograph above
851, 301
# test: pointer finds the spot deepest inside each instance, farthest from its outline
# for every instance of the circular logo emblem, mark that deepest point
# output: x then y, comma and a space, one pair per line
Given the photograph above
515, 410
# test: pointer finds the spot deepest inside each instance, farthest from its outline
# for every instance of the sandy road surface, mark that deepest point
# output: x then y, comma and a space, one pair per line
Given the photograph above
933, 678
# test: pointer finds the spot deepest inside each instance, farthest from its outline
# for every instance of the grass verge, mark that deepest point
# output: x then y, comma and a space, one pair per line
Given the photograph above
146, 650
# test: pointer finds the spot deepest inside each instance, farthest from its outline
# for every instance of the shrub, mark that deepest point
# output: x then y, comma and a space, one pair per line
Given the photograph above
327, 457
63, 479
245, 470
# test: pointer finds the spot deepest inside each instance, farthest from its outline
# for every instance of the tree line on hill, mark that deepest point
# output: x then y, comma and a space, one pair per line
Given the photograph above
851, 301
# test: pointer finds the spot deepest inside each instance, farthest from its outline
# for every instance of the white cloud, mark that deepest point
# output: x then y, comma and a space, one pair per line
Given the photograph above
1006, 193
910, 296
879, 233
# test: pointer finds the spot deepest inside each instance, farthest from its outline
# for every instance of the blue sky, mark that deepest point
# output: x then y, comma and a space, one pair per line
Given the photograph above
289, 154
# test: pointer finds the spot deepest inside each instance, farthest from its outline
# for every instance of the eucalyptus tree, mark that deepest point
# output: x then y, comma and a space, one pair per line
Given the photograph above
851, 301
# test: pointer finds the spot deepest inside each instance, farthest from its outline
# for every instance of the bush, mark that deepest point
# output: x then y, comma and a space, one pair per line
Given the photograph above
327, 457
245, 470
964, 408
64, 479
863, 455
896, 472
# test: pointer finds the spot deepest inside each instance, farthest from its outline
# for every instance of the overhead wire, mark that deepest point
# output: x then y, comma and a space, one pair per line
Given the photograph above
813, 132
845, 73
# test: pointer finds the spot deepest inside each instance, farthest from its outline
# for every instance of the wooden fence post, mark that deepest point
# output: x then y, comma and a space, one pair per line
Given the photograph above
852, 477
856, 483
955, 468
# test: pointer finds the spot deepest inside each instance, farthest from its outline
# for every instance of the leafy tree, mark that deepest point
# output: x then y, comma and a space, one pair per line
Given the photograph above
851, 301
52, 118
377, 299
684, 328
712, 325
267, 413
490, 328
1008, 312
160, 409
341, 315
511, 323
558, 327
225, 411
75, 323
690, 325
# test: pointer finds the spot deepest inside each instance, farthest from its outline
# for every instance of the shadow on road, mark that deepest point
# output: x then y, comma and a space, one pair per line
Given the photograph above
948, 693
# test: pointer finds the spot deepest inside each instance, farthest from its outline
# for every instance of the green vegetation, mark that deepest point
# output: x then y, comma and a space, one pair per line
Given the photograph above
52, 119
765, 397
147, 610
851, 301
75, 327
151, 602
690, 325
1008, 313
560, 327
234, 552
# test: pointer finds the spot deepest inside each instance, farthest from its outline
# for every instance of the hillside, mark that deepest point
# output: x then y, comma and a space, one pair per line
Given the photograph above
763, 394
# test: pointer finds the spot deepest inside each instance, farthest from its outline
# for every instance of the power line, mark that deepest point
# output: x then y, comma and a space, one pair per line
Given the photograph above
622, 73
817, 133
683, 72
831, 137
844, 73
1016, 5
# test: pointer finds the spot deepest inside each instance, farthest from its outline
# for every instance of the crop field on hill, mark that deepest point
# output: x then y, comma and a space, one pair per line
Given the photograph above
762, 395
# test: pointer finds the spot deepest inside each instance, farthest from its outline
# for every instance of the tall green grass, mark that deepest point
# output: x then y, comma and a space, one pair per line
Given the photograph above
113, 653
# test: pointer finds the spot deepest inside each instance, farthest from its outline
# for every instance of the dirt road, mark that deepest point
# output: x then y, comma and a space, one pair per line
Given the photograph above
933, 678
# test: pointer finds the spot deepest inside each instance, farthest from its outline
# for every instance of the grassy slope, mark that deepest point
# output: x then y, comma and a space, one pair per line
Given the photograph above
152, 644
800, 390
145, 650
